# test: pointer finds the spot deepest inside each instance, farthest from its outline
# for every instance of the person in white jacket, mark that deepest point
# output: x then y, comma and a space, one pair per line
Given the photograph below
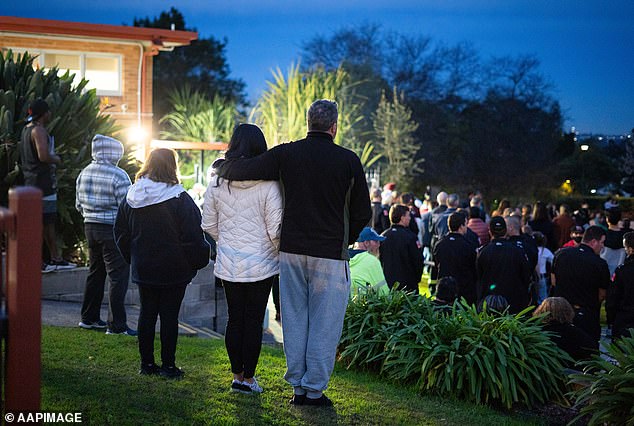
244, 218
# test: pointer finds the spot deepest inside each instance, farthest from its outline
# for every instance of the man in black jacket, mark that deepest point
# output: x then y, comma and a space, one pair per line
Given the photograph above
327, 204
380, 219
400, 257
456, 257
581, 277
503, 268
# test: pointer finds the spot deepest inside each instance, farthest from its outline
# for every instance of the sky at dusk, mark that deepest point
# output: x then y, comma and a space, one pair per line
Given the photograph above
586, 47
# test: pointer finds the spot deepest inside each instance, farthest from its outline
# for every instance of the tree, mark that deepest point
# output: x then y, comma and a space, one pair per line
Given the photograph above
394, 131
627, 166
202, 65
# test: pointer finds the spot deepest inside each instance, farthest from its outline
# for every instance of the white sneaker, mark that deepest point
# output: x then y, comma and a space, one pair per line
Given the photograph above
255, 387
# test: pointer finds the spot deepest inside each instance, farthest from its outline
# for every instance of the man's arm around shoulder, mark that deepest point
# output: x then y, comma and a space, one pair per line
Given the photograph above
265, 166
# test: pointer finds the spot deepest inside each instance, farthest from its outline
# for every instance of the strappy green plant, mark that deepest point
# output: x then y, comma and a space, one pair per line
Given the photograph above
605, 388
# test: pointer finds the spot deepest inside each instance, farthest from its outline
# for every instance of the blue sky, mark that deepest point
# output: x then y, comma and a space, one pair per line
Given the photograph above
586, 47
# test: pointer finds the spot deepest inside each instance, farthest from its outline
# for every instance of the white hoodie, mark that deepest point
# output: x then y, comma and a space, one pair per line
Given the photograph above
145, 192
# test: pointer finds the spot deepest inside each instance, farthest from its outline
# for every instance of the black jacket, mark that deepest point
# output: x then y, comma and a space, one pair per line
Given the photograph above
326, 197
163, 243
401, 260
579, 274
503, 269
456, 257
620, 303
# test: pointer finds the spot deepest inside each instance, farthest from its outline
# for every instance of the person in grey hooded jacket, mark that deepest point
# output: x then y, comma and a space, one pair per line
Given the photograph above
101, 187
158, 233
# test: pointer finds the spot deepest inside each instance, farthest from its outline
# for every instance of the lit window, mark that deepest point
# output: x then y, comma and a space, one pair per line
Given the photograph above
102, 73
64, 62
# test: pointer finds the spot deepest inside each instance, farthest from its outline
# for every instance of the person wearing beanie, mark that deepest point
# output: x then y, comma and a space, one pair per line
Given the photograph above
100, 188
38, 162
503, 268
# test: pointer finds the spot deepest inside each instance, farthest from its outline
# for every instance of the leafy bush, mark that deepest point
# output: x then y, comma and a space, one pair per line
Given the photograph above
479, 357
75, 120
605, 390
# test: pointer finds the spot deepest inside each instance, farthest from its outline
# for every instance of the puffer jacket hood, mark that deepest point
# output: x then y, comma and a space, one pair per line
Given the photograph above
146, 192
106, 150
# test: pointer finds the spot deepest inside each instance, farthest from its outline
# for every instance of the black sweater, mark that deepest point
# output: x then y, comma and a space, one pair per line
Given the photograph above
326, 198
163, 243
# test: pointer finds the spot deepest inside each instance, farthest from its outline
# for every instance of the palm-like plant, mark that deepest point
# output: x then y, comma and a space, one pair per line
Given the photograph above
195, 118
281, 111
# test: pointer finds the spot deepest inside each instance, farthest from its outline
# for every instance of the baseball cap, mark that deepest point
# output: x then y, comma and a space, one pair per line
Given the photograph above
369, 234
497, 225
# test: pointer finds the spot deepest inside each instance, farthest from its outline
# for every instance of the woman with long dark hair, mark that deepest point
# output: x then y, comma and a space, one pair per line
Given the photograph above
244, 217
157, 230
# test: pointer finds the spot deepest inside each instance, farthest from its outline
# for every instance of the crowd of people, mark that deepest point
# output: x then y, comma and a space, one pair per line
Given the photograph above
512, 257
300, 216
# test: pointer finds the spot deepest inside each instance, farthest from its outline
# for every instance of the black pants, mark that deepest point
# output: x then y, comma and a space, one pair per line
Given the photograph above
246, 304
166, 302
276, 294
105, 262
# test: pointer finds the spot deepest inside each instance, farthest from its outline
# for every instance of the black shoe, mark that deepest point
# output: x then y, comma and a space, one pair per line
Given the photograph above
126, 332
149, 370
97, 325
297, 399
322, 401
171, 372
238, 386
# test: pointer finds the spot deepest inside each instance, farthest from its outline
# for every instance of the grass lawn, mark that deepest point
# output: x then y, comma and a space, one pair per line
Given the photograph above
97, 375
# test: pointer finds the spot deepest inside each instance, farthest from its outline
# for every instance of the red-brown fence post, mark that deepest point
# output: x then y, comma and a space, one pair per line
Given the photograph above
24, 289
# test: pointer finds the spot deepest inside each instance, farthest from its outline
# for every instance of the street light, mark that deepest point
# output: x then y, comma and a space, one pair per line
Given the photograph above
584, 147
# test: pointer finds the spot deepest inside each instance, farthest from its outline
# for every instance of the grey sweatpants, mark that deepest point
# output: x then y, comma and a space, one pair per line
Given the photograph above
314, 294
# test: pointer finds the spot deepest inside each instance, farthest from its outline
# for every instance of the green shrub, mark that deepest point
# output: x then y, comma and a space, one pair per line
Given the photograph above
75, 120
605, 390
475, 356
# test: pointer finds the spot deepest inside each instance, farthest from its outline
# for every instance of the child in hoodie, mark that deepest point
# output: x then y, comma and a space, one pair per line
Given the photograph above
158, 232
101, 187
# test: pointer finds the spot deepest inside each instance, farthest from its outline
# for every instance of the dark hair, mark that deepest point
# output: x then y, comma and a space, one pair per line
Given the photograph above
455, 220
447, 289
321, 115
474, 212
38, 108
160, 166
613, 215
495, 303
247, 141
540, 239
407, 198
628, 239
593, 232
397, 211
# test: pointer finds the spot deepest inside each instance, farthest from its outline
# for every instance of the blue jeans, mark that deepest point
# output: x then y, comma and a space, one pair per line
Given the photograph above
541, 289
314, 295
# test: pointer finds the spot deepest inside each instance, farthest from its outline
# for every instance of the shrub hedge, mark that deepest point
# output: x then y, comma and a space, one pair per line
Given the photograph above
477, 356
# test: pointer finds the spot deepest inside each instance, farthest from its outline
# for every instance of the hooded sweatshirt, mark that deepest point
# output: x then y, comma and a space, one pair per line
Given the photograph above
158, 233
102, 186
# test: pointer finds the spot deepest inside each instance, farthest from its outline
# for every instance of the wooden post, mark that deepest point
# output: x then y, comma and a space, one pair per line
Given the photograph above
24, 289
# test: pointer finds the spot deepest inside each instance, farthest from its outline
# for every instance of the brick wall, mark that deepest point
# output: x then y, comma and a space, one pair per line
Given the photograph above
129, 67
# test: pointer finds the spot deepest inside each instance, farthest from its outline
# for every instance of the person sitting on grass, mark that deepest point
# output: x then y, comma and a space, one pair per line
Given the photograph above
558, 316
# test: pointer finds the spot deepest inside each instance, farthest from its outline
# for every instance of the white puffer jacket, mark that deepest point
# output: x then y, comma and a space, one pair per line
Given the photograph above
245, 218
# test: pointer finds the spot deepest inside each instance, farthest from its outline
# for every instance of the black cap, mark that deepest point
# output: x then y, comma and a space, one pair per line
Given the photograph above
498, 226
38, 108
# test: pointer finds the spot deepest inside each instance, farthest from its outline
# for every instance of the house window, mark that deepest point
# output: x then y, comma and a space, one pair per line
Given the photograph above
102, 71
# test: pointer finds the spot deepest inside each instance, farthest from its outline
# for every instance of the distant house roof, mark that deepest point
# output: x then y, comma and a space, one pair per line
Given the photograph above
153, 36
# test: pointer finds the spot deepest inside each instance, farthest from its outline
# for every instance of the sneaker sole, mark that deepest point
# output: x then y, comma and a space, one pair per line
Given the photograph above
244, 392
